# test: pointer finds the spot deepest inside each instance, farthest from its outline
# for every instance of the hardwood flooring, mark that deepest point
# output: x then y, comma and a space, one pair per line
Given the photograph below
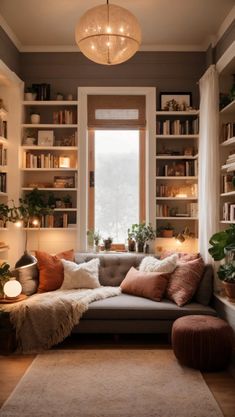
12, 367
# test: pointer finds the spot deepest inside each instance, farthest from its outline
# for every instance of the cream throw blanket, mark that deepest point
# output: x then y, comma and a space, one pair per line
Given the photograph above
44, 320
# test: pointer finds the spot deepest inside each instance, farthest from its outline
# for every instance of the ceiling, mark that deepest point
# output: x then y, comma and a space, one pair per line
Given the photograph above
48, 25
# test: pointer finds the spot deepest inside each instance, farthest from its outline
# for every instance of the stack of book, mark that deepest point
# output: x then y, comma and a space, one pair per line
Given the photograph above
63, 117
229, 211
193, 209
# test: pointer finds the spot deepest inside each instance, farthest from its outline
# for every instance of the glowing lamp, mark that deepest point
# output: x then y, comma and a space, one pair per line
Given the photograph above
18, 223
12, 288
35, 221
64, 162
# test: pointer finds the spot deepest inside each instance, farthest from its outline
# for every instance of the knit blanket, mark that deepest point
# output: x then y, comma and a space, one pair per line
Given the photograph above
44, 320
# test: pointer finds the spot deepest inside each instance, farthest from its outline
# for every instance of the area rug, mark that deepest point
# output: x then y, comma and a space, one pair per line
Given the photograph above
110, 383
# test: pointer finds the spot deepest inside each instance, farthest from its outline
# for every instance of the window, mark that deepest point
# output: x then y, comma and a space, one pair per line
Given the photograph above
116, 182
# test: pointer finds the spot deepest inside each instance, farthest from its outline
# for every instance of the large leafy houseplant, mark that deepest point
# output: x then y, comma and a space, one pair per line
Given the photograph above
223, 247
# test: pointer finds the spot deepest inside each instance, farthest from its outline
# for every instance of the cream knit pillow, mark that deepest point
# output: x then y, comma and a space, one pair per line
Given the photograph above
85, 275
151, 264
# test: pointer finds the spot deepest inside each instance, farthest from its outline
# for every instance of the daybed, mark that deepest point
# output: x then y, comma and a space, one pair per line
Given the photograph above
130, 314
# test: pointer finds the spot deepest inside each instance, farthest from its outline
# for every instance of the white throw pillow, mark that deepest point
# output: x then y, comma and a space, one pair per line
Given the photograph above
151, 264
85, 275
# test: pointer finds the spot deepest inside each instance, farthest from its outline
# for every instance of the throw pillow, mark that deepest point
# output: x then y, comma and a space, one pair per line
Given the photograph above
51, 270
28, 277
145, 284
151, 264
85, 275
183, 256
184, 281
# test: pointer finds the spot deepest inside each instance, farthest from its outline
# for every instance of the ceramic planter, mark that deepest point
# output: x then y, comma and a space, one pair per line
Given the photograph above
229, 289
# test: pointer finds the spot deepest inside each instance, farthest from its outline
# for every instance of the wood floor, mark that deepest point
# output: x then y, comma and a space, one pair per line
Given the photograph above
12, 367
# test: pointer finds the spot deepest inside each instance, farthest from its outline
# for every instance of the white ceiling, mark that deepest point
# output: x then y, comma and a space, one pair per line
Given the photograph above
38, 25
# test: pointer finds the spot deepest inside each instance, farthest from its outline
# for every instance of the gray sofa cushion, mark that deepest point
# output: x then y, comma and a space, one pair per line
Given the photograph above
205, 289
130, 307
113, 267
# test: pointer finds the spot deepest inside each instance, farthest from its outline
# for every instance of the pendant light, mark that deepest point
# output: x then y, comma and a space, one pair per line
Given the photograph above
108, 34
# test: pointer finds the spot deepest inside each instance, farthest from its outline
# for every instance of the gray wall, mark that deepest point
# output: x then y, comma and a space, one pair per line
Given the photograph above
9, 54
225, 41
169, 71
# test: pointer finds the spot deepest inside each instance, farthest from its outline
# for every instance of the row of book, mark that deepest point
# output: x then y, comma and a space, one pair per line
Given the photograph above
3, 156
178, 127
227, 185
163, 210
3, 182
64, 117
3, 128
55, 220
230, 161
227, 131
42, 160
179, 169
228, 211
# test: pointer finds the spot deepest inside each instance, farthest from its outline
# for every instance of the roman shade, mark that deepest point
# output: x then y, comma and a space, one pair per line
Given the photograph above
116, 111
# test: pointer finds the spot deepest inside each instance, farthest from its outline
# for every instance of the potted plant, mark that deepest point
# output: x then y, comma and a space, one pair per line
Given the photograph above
142, 233
108, 243
67, 200
4, 276
166, 231
131, 241
223, 247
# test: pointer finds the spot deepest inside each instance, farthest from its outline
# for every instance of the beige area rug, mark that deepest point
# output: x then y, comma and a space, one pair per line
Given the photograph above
110, 383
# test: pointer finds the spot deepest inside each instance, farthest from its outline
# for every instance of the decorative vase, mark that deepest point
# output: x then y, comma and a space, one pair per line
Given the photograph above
229, 288
29, 96
35, 118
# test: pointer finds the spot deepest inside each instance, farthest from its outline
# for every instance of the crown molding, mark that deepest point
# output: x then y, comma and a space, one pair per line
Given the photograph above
10, 33
225, 24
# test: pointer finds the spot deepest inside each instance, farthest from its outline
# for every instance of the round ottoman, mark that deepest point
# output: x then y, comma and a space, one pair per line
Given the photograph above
202, 342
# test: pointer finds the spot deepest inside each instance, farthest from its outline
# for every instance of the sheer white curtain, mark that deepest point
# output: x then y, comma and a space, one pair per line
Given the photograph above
209, 178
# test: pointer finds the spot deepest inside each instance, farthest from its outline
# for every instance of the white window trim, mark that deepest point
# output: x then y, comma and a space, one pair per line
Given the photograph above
83, 92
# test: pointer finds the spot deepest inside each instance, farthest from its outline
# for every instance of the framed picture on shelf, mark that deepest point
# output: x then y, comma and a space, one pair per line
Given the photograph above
175, 101
45, 138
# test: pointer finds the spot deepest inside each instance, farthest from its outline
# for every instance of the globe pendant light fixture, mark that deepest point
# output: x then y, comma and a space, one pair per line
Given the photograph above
108, 34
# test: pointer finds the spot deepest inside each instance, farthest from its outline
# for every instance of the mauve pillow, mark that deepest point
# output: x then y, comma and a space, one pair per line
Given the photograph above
183, 256
51, 270
184, 281
145, 284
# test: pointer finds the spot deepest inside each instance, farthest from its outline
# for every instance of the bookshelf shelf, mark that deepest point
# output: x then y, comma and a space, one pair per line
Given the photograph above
50, 125
177, 218
50, 103
180, 157
177, 198
50, 169
228, 142
48, 189
180, 177
229, 109
177, 136
49, 148
42, 229
177, 113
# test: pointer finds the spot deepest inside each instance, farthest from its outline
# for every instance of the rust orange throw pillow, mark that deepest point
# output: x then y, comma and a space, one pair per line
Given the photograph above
145, 284
51, 270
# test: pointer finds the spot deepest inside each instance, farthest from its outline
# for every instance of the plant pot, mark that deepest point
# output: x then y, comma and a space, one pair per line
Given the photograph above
107, 244
167, 233
29, 96
140, 247
229, 288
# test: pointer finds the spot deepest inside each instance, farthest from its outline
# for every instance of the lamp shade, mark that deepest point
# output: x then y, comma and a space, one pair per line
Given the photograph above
12, 288
108, 34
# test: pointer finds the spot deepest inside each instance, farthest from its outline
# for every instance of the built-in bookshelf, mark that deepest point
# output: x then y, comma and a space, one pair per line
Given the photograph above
49, 155
227, 144
177, 135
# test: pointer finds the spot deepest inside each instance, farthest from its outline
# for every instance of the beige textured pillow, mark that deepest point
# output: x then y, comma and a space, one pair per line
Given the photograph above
145, 284
85, 275
184, 281
151, 264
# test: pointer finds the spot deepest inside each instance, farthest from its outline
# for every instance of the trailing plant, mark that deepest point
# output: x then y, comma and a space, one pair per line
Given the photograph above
226, 272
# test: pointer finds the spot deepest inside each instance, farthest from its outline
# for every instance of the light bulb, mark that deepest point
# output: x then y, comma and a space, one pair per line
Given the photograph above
12, 288
19, 223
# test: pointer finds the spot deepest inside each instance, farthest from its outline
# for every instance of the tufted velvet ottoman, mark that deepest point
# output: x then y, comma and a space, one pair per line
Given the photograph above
202, 342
